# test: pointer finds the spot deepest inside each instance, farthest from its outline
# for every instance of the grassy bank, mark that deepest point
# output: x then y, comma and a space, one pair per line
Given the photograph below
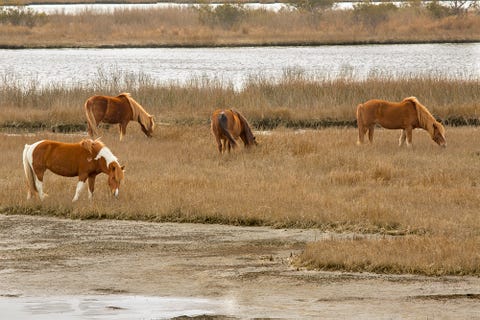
316, 178
230, 25
294, 100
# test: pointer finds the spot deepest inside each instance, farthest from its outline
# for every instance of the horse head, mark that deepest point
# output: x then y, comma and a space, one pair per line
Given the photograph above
438, 134
148, 125
115, 177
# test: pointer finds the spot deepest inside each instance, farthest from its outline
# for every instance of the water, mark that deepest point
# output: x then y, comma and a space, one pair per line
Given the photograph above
116, 307
234, 66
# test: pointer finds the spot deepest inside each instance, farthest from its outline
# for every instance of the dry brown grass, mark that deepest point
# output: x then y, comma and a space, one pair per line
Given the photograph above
174, 27
430, 255
294, 100
314, 178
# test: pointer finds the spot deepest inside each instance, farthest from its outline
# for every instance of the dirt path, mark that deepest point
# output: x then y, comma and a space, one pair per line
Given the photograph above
243, 271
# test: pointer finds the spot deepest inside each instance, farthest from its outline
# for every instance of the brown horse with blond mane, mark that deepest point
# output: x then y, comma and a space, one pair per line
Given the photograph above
85, 159
227, 126
120, 109
407, 115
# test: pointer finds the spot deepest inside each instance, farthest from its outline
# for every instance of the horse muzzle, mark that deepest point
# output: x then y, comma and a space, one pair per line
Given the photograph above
116, 193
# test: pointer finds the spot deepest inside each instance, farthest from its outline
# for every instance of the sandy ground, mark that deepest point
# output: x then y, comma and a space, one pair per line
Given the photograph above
238, 272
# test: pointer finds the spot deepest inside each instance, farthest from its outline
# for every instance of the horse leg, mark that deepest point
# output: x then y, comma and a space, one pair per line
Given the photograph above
402, 139
38, 177
370, 132
219, 144
80, 186
91, 187
409, 136
123, 130
361, 134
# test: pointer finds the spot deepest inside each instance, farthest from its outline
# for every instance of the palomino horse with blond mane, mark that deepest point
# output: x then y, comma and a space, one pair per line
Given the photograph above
85, 159
120, 109
407, 115
227, 126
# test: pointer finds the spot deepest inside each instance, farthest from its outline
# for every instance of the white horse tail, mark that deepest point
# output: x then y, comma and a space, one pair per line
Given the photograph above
91, 122
29, 174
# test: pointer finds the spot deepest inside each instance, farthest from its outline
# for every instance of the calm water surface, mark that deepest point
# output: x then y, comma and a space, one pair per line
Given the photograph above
114, 307
234, 66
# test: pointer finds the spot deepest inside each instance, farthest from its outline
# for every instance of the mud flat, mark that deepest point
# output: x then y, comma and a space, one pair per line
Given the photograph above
103, 269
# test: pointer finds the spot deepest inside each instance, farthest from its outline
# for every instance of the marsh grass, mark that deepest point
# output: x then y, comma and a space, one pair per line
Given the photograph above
294, 100
192, 27
306, 179
423, 201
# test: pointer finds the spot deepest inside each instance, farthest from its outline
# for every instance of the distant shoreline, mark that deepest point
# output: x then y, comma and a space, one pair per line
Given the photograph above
235, 45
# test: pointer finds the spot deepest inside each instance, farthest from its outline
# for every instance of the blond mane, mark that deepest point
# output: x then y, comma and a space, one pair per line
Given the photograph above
425, 118
92, 146
138, 112
246, 127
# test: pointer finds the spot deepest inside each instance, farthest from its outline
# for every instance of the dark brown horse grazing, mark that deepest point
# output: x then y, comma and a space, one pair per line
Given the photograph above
407, 115
228, 125
120, 109
85, 159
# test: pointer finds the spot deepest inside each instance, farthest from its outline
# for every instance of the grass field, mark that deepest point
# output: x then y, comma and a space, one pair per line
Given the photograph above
420, 203
424, 200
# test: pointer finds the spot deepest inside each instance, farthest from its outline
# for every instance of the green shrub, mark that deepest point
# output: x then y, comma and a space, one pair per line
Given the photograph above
21, 16
312, 5
437, 10
371, 15
226, 15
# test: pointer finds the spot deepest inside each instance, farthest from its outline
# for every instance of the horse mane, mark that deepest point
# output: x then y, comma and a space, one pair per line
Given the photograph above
426, 120
138, 112
92, 146
246, 128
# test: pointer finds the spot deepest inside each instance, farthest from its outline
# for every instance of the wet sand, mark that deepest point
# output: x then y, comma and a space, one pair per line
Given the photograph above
100, 269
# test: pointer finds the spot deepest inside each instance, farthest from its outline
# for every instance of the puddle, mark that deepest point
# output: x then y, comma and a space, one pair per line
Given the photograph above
109, 307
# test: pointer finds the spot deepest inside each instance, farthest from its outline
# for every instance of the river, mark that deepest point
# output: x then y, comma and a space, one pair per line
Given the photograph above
235, 66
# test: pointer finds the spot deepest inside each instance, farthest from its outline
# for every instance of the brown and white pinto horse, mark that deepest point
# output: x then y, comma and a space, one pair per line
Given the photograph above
228, 125
120, 109
85, 159
407, 115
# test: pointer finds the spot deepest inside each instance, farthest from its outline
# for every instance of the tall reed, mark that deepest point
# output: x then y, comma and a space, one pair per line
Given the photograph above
293, 100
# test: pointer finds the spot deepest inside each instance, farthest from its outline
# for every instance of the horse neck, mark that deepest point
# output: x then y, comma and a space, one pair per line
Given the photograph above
107, 157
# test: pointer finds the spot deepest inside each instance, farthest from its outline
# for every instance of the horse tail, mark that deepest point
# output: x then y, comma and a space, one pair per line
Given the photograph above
29, 174
359, 112
223, 122
91, 122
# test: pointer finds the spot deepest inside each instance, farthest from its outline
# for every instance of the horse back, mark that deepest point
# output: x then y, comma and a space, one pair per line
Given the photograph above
65, 159
111, 109
390, 115
225, 119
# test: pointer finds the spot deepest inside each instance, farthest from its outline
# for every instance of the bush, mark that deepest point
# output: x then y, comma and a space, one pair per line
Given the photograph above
312, 5
20, 16
438, 11
371, 15
226, 15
